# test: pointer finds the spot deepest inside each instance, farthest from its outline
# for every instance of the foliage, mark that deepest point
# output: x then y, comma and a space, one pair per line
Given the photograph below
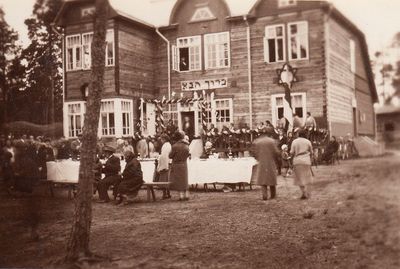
8, 48
43, 76
19, 128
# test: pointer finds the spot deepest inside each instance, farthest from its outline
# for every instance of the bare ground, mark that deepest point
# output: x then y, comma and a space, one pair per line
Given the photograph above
351, 221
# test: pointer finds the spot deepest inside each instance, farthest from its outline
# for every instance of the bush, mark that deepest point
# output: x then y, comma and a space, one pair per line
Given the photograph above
19, 128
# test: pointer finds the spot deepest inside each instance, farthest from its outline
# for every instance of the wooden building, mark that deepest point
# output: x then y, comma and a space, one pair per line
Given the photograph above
388, 125
230, 52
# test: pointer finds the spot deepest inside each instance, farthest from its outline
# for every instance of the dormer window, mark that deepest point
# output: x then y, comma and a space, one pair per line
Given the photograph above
287, 3
202, 14
87, 11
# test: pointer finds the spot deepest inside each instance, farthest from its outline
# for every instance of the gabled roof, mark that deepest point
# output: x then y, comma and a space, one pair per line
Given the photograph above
156, 13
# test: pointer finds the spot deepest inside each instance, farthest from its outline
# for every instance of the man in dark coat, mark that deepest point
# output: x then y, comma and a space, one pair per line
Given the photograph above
111, 170
265, 151
132, 179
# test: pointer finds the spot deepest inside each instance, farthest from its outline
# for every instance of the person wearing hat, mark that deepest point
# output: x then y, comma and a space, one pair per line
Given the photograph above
179, 170
265, 151
111, 170
132, 179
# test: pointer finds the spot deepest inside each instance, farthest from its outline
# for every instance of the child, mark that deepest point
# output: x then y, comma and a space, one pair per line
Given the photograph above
286, 160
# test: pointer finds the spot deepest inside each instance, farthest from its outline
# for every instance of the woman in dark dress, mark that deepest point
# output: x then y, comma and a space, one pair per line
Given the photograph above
179, 170
132, 179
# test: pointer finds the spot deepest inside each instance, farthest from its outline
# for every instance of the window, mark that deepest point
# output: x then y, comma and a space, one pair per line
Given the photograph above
217, 50
223, 112
286, 3
171, 114
352, 56
110, 48
274, 44
208, 114
126, 109
298, 40
202, 14
76, 112
189, 54
298, 106
87, 50
107, 117
79, 50
88, 11
73, 45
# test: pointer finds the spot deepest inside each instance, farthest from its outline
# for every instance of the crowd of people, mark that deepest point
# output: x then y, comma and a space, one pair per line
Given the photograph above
23, 159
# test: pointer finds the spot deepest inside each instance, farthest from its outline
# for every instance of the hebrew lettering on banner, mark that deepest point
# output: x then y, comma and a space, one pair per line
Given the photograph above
207, 84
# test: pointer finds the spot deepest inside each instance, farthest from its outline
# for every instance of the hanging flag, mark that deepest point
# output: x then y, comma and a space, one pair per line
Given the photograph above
287, 105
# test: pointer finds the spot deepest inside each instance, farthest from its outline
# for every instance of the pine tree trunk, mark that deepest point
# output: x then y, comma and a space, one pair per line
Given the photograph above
78, 245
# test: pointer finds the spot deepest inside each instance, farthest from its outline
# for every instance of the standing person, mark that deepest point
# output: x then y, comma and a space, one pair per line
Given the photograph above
265, 151
7, 162
302, 151
111, 170
297, 122
311, 126
76, 148
132, 179
142, 148
127, 147
26, 176
45, 154
281, 140
163, 164
179, 170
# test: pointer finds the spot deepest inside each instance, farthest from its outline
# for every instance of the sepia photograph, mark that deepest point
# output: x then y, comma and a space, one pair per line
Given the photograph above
193, 134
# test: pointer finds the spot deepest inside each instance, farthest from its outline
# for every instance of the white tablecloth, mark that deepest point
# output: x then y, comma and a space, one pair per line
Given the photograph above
200, 171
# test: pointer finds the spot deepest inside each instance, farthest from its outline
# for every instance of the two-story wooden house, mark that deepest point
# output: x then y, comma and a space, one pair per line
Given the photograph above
228, 50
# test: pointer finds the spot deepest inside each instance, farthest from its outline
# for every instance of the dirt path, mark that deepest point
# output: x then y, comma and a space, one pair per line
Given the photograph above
351, 221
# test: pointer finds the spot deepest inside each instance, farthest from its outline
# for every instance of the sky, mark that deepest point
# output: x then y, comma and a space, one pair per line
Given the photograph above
378, 19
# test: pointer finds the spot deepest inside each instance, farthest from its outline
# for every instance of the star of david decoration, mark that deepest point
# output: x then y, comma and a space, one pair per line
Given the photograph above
287, 75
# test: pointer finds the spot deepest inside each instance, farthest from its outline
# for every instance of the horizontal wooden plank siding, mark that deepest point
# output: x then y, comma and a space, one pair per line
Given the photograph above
136, 61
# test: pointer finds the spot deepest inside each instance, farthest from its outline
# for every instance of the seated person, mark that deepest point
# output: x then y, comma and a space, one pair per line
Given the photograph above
330, 150
132, 179
111, 169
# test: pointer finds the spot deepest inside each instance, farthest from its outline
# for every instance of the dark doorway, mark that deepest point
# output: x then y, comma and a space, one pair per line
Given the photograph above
188, 123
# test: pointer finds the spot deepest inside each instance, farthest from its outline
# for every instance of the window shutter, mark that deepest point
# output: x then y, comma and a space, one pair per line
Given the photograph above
175, 58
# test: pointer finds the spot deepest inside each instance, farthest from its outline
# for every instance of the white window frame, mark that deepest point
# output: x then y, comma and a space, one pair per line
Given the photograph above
287, 3
73, 132
219, 46
105, 111
219, 124
87, 46
76, 50
297, 36
110, 37
274, 106
352, 45
191, 47
127, 117
109, 61
171, 113
266, 44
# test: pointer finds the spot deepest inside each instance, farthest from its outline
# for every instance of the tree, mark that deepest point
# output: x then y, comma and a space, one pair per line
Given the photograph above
8, 49
78, 245
43, 64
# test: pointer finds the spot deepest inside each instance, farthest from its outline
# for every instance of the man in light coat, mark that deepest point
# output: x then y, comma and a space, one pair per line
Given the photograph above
265, 151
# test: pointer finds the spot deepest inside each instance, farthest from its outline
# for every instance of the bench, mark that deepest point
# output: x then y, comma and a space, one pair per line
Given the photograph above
149, 186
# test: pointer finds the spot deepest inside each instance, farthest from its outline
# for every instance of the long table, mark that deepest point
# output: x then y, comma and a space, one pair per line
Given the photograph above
200, 171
